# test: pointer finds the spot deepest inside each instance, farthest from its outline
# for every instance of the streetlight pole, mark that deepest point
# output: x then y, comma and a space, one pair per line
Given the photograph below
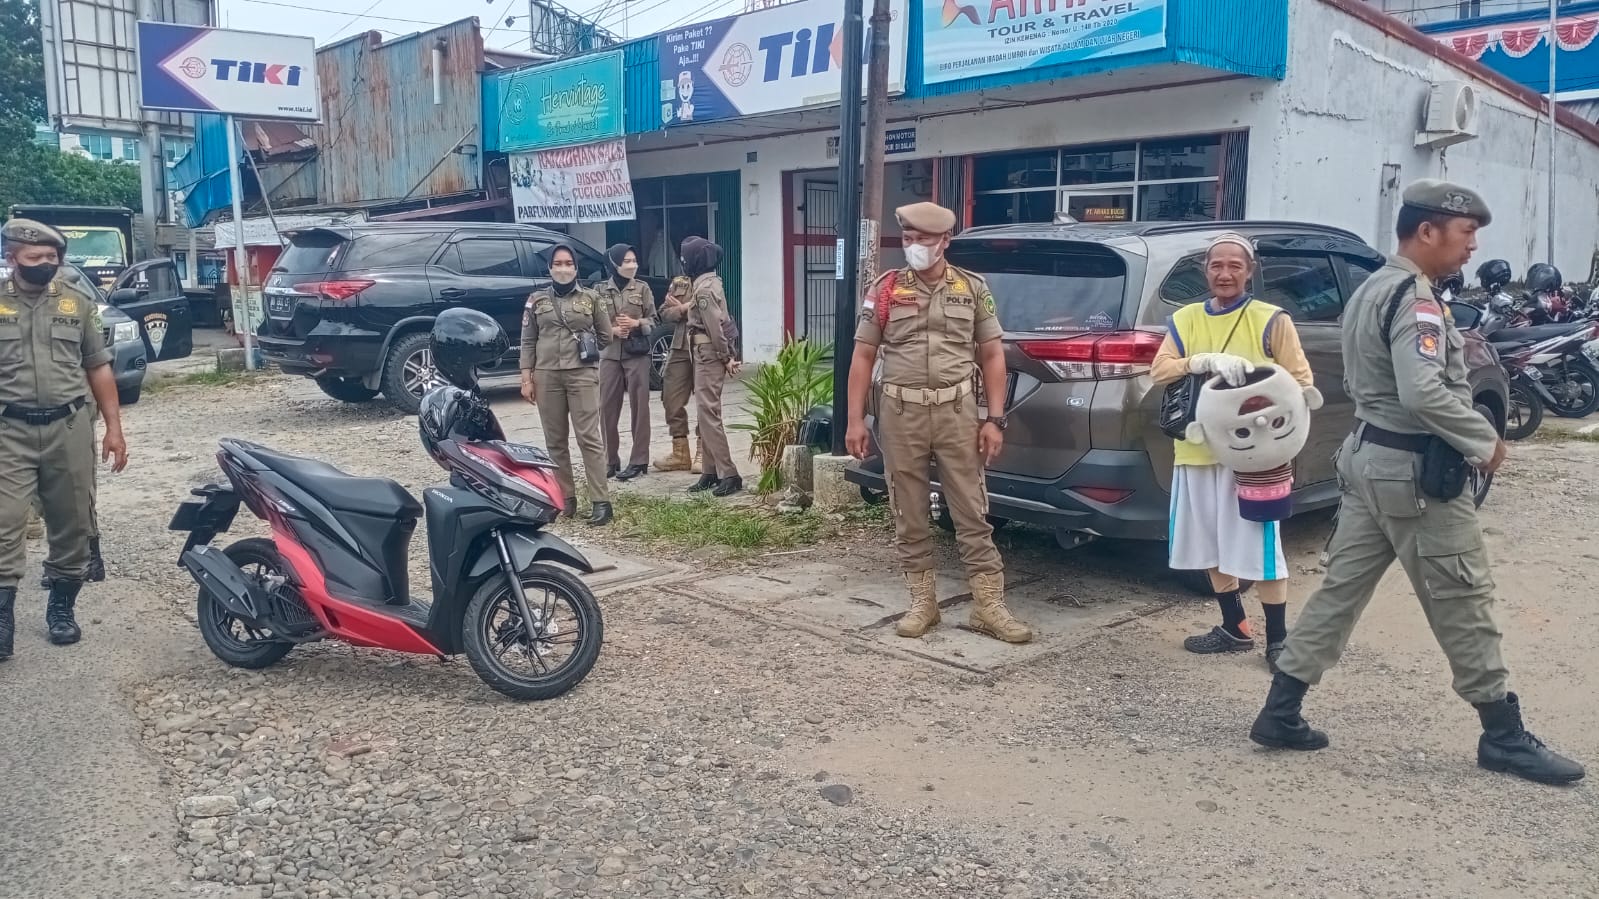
1554, 127
847, 268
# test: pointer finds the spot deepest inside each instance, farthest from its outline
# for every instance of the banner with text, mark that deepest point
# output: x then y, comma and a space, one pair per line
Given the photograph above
589, 183
988, 37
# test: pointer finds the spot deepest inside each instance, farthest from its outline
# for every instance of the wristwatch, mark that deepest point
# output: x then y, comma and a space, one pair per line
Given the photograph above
999, 421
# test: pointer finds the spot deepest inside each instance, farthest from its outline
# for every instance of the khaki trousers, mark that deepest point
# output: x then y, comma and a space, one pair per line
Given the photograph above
709, 377
572, 397
1385, 517
912, 438
677, 386
626, 377
53, 465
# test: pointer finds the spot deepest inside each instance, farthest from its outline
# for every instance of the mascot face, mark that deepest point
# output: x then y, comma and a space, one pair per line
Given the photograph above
1258, 426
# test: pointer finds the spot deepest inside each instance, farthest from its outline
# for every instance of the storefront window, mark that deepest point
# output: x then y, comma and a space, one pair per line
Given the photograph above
1165, 180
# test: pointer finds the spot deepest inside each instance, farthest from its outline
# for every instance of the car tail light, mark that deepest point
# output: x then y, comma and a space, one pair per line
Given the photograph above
1109, 496
1123, 354
334, 290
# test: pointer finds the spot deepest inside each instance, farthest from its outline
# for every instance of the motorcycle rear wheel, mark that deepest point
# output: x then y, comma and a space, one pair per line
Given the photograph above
493, 629
1585, 381
1525, 413
258, 558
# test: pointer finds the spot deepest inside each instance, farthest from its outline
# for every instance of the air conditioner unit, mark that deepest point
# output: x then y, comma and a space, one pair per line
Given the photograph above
1451, 116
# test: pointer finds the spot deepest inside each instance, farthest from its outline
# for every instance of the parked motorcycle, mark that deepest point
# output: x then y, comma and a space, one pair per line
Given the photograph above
336, 564
1551, 361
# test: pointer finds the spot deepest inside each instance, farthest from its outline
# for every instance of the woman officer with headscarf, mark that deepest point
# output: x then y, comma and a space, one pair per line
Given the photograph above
715, 358
625, 366
564, 330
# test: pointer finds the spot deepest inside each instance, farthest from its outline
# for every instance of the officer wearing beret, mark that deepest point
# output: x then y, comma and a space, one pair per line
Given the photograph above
53, 358
935, 327
1405, 369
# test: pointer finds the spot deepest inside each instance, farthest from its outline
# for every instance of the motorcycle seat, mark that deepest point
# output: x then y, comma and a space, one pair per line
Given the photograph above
1514, 338
340, 490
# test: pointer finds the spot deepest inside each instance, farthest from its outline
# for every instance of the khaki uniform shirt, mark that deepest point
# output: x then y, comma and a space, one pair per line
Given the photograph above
636, 300
677, 315
933, 331
1415, 381
48, 339
706, 315
550, 325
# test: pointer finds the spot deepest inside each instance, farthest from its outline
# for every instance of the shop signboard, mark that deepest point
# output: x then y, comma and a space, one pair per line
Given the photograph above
778, 59
589, 183
989, 37
189, 68
562, 104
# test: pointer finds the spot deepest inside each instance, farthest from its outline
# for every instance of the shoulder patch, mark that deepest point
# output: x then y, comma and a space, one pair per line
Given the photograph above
1427, 344
1428, 312
987, 299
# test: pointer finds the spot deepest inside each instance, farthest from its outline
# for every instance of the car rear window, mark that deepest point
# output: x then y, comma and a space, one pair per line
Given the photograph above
308, 253
1048, 285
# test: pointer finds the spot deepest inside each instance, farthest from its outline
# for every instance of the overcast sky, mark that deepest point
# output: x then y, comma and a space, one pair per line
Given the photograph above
397, 17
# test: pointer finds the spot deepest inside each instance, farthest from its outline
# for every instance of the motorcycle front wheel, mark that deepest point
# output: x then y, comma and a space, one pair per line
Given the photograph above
550, 657
1525, 413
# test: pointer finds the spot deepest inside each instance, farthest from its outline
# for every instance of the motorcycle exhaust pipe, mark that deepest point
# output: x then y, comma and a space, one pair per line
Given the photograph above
220, 577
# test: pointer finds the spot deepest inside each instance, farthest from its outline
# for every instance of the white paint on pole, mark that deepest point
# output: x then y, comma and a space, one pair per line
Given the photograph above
246, 327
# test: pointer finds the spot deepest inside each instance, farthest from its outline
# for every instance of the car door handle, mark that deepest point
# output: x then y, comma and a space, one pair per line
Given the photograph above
452, 293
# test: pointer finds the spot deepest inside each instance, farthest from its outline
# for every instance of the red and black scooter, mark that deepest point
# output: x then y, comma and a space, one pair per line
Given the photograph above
336, 564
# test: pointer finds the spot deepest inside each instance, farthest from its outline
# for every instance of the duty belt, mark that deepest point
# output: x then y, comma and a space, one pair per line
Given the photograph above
927, 396
1366, 432
42, 415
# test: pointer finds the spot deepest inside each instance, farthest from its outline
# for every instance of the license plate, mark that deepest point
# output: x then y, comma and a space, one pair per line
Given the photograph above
280, 306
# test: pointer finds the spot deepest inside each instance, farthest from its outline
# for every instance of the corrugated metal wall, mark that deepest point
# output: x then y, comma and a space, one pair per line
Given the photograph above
383, 132
641, 85
1247, 37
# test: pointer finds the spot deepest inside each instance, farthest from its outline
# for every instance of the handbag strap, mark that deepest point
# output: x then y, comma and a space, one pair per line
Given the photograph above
1236, 322
560, 313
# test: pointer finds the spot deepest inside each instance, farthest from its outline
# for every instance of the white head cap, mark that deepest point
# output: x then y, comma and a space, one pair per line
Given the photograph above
1236, 239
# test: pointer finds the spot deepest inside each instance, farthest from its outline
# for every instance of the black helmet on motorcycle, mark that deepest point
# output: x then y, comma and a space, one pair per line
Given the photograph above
1494, 275
463, 340
1543, 278
1454, 283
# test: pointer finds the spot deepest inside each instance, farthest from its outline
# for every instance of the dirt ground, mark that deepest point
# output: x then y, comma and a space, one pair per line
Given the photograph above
742, 735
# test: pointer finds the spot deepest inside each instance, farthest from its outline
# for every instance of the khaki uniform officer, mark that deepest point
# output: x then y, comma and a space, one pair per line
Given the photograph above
52, 358
1405, 369
714, 360
632, 306
556, 326
935, 325
678, 379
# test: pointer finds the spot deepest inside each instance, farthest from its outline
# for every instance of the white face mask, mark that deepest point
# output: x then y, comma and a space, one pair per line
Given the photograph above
627, 270
921, 257
563, 275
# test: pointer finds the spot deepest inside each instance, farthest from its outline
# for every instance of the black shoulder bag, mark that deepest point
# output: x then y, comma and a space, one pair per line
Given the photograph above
1182, 395
588, 346
637, 342
1444, 471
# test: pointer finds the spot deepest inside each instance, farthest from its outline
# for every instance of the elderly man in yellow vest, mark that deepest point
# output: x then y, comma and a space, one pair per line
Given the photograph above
1228, 335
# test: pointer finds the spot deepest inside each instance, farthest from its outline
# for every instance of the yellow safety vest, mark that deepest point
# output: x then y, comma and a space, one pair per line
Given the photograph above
1199, 330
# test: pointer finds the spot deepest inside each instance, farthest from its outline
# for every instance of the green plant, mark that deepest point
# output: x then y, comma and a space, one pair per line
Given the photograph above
780, 395
698, 522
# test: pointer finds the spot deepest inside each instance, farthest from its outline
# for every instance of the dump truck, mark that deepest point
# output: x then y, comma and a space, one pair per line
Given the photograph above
99, 238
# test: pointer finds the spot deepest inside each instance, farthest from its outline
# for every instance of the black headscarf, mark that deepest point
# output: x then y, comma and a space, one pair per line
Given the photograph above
700, 256
615, 255
562, 290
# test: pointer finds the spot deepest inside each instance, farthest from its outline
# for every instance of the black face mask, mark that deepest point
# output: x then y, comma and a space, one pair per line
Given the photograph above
38, 275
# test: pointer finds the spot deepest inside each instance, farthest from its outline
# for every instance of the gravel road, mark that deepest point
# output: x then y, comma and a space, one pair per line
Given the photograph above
713, 754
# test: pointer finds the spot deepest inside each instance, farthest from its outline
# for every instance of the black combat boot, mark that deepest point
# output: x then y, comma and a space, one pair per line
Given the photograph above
96, 572
63, 627
602, 515
706, 482
8, 624
728, 486
1505, 746
1280, 725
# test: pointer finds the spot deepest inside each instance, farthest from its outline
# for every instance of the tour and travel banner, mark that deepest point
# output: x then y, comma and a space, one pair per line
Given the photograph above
589, 183
986, 37
789, 56
561, 104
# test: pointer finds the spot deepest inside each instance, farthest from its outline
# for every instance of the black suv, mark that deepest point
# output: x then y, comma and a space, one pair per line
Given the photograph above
351, 307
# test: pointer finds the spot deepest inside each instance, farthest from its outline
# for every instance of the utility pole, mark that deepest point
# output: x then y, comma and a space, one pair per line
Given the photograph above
876, 130
1554, 127
847, 271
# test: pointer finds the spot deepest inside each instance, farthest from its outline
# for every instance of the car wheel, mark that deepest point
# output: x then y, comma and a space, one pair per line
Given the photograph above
408, 373
873, 497
346, 390
659, 352
127, 396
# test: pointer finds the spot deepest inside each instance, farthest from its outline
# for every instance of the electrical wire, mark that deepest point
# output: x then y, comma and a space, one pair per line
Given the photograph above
328, 12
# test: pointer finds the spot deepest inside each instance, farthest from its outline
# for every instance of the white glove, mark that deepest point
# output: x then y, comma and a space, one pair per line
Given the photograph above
1232, 369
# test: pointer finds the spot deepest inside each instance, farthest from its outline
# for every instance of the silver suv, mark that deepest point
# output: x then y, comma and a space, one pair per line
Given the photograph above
1085, 307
